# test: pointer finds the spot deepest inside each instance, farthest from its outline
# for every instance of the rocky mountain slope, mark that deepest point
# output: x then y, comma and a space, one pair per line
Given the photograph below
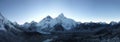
59, 29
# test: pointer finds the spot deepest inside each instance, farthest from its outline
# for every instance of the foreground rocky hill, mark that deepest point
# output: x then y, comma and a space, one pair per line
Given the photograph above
59, 29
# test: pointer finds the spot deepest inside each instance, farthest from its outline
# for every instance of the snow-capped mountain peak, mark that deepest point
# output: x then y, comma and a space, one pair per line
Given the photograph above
2, 19
61, 15
45, 22
48, 18
49, 22
65, 22
5, 23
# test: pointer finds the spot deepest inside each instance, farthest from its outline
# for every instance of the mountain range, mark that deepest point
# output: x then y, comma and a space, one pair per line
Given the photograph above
59, 29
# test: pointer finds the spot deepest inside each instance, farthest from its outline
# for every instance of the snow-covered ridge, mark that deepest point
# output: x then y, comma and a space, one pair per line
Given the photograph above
46, 24
66, 22
49, 22
66, 30
3, 21
5, 24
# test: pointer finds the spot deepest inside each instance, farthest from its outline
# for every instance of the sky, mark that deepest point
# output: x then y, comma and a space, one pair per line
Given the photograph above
22, 11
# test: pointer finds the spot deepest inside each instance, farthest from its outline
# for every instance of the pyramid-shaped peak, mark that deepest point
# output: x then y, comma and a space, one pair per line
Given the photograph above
61, 15
33, 22
49, 17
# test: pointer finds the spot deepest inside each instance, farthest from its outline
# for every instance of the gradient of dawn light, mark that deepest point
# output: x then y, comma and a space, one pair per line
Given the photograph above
23, 11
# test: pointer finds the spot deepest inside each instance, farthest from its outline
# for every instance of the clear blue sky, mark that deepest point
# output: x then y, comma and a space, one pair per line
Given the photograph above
80, 10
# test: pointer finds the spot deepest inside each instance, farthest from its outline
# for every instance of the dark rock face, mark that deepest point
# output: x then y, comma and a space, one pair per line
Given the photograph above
89, 33
83, 32
58, 27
